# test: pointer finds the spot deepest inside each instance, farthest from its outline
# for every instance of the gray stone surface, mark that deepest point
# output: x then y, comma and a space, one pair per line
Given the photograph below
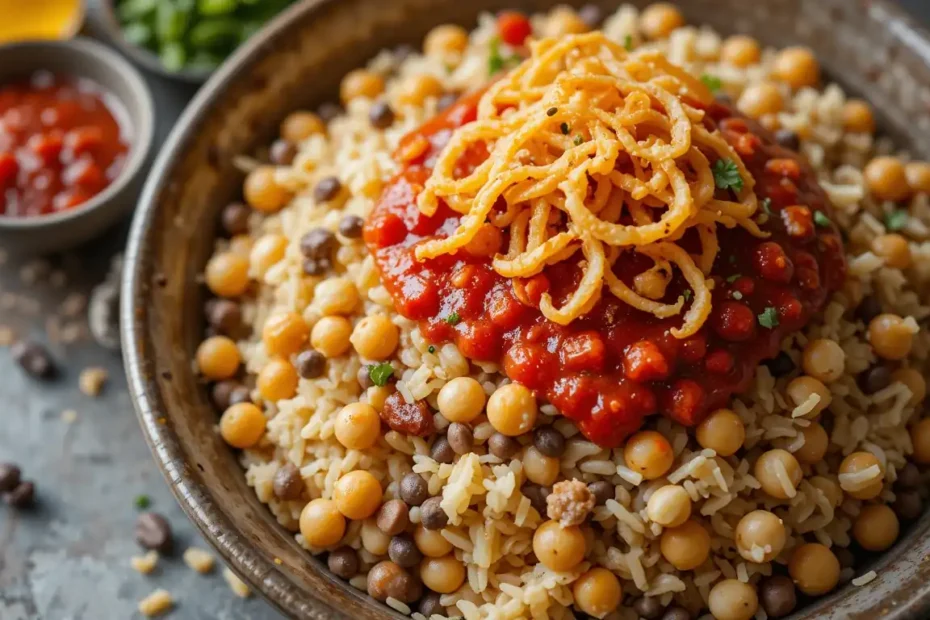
68, 559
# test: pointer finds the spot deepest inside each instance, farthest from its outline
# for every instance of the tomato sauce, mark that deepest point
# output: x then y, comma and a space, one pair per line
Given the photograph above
614, 366
63, 140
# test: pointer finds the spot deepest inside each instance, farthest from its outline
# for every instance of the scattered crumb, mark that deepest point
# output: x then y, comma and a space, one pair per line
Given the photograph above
92, 380
69, 416
236, 585
156, 603
864, 579
199, 560
162, 420
72, 332
278, 561
74, 304
144, 564
7, 337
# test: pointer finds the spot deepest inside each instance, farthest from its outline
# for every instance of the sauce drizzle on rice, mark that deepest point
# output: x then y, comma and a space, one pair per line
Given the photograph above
586, 168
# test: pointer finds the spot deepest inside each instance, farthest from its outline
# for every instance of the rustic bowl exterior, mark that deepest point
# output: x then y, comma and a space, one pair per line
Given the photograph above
869, 46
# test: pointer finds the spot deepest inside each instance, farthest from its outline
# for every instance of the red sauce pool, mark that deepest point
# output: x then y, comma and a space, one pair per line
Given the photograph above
63, 140
616, 365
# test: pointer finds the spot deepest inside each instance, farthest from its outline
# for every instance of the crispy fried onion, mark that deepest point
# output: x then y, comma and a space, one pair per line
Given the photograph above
596, 149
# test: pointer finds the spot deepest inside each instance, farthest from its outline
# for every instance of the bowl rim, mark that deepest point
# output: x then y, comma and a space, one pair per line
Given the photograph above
269, 580
142, 117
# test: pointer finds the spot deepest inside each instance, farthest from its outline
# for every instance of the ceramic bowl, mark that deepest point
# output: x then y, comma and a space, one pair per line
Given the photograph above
296, 62
88, 59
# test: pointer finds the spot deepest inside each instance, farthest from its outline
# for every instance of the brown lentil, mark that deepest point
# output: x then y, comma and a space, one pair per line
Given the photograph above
460, 438
23, 495
908, 505
235, 219
441, 451
310, 364
549, 441
403, 551
350, 226
778, 596
502, 446
432, 516
602, 491
10, 476
225, 315
648, 607
343, 562
676, 612
318, 243
393, 517
413, 489
379, 578
430, 605
287, 483
326, 189
282, 153
908, 477
538, 496
381, 115
153, 532
875, 379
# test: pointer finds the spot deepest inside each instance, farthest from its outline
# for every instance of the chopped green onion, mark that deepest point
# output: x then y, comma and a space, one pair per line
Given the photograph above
712, 82
769, 318
896, 220
687, 294
142, 502
734, 277
628, 42
453, 319
767, 206
380, 373
578, 140
821, 219
431, 349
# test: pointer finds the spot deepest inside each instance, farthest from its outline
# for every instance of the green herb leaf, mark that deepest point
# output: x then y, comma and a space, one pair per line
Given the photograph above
495, 60
821, 219
142, 502
726, 175
687, 294
767, 206
769, 318
736, 295
578, 140
628, 42
712, 82
380, 373
734, 277
896, 220
551, 111
431, 349
453, 319
564, 128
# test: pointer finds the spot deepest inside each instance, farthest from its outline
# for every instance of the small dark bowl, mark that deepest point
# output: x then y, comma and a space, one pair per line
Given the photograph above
296, 62
89, 59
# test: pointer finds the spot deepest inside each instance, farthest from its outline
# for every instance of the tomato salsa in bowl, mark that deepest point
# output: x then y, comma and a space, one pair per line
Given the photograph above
76, 125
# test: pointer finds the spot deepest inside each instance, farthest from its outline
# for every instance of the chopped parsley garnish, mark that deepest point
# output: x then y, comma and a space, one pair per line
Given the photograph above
628, 42
687, 294
821, 219
736, 295
578, 140
767, 206
896, 220
142, 502
431, 349
564, 128
380, 373
495, 60
726, 175
734, 277
453, 319
712, 82
551, 111
769, 318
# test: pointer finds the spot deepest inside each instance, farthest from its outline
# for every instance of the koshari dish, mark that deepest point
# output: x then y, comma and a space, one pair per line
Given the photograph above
578, 316
590, 188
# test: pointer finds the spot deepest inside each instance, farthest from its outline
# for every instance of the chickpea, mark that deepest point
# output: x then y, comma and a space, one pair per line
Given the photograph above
760, 99
597, 592
830, 489
918, 176
357, 426
669, 506
227, 275
321, 523
768, 468
559, 548
658, 20
512, 410
277, 380
374, 540
539, 468
856, 463
377, 395
336, 296
876, 528
445, 40
685, 547
815, 445
330, 336
431, 543
218, 358
375, 337
648, 453
894, 249
824, 360
731, 599
760, 529
242, 425
461, 400
797, 67
444, 575
298, 126
263, 192
800, 389
240, 244
741, 51
920, 438
418, 88
563, 20
360, 83
886, 178
284, 334
722, 431
914, 381
814, 569
890, 336
357, 495
857, 116
267, 252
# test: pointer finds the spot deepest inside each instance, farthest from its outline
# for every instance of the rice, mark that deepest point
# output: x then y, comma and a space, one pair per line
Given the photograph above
487, 499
